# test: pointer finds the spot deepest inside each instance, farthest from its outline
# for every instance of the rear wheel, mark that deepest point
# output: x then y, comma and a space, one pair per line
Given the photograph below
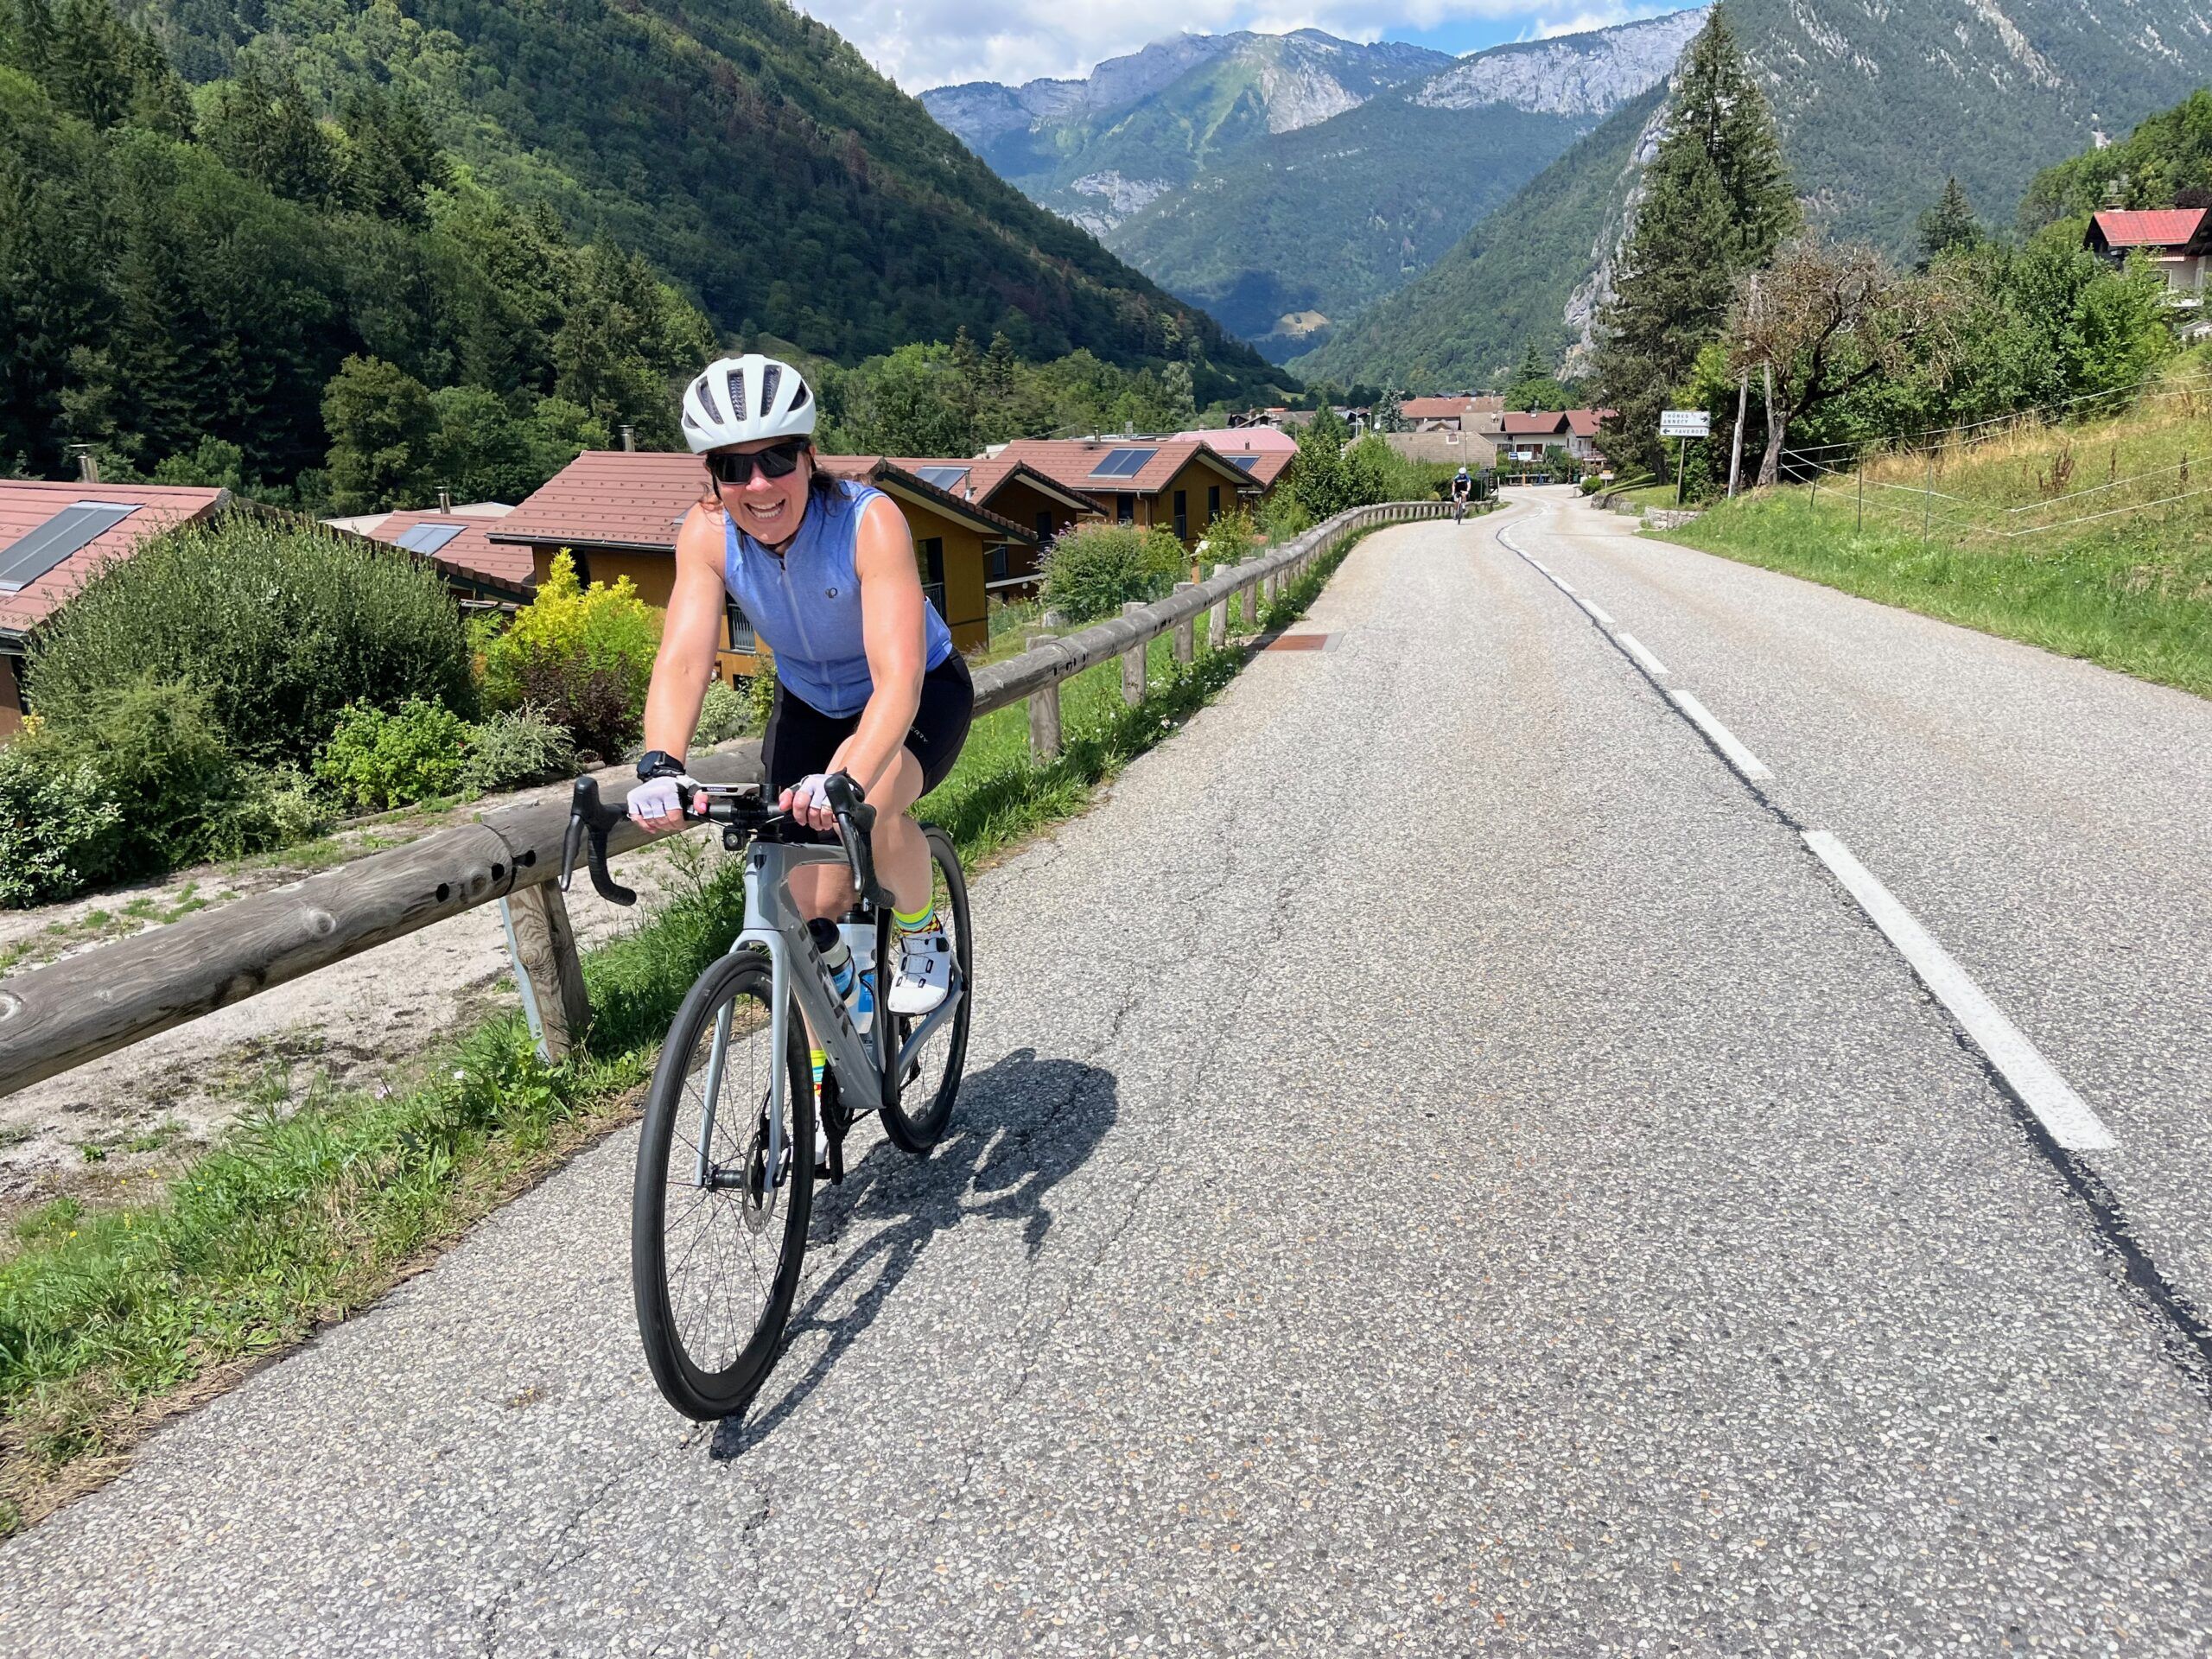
720, 1206
918, 1096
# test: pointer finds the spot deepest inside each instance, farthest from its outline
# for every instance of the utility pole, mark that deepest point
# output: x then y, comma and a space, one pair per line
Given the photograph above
1736, 456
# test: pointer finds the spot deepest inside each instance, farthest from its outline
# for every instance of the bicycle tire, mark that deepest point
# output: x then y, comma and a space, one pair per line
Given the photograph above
916, 1132
700, 1386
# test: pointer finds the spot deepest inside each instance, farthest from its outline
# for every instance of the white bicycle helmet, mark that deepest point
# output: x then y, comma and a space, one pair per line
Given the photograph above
739, 400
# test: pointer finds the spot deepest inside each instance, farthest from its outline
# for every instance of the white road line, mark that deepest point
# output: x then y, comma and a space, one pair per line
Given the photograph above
1629, 643
1723, 740
2064, 1114
1598, 612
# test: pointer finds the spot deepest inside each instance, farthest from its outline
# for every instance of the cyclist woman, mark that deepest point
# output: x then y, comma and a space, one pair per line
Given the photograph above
867, 682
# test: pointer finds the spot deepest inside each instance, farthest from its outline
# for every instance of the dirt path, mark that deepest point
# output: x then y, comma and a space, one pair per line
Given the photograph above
145, 1109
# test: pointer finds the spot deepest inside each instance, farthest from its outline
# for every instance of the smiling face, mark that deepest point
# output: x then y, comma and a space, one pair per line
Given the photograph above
766, 509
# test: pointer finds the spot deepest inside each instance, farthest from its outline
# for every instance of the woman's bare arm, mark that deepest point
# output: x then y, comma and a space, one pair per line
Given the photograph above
891, 631
688, 635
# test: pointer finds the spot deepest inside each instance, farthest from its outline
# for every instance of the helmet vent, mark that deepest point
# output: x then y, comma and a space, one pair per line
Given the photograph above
735, 385
704, 386
802, 399
771, 377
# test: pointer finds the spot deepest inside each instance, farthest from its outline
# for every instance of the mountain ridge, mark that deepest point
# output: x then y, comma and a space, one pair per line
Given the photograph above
1873, 121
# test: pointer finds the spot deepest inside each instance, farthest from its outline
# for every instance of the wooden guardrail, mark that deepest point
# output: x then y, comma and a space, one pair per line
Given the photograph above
57, 1017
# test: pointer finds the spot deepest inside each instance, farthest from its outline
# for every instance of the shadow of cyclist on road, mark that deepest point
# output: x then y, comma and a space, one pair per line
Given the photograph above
1020, 1129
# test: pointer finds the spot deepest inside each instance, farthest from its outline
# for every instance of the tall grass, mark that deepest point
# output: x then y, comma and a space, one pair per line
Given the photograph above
2063, 537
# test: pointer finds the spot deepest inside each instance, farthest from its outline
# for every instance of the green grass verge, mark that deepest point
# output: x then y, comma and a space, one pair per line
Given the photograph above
2133, 594
112, 1317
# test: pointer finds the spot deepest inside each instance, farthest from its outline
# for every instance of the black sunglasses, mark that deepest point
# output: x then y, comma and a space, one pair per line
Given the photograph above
777, 460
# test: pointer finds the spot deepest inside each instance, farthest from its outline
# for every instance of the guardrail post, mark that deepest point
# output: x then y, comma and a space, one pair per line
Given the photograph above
1043, 714
547, 971
1217, 626
1247, 606
1186, 631
1132, 664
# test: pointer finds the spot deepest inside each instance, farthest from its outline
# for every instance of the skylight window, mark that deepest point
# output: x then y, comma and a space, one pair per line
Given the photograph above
945, 478
1123, 463
74, 528
429, 538
1244, 463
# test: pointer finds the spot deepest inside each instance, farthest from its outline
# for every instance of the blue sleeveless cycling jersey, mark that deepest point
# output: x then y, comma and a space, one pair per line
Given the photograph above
806, 605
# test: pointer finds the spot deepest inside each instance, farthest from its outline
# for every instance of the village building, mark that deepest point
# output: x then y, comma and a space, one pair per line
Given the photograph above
54, 536
481, 572
616, 512
2177, 240
1015, 492
1181, 484
1457, 414
1263, 453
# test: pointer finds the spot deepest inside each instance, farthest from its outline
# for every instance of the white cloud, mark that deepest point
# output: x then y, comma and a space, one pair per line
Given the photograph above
922, 43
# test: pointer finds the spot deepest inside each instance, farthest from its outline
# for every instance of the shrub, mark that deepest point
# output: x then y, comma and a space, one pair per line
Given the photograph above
1094, 570
1592, 485
1230, 539
515, 748
585, 655
376, 759
275, 806
58, 827
1283, 515
158, 751
761, 689
722, 715
284, 625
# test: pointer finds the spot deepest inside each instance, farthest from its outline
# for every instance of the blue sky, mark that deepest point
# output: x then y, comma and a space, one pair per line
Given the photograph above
921, 43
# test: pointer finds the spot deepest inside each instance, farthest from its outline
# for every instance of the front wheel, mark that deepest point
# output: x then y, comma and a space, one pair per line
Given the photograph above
918, 1094
723, 1191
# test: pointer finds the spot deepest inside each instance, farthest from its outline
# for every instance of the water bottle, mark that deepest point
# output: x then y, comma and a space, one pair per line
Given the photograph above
859, 939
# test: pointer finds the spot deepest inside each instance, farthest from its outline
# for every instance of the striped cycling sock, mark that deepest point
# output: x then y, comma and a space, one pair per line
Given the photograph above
921, 921
821, 1065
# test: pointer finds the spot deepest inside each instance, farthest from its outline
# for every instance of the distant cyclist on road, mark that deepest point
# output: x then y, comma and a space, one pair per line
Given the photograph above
1463, 491
867, 682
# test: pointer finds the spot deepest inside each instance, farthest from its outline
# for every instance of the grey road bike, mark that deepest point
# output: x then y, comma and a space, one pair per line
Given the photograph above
733, 1143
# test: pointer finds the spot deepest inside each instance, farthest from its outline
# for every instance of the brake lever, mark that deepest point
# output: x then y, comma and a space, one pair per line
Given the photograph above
588, 822
855, 822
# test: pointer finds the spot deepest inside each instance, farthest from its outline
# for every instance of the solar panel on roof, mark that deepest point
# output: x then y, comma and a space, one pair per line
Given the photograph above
429, 538
945, 478
37, 552
1123, 463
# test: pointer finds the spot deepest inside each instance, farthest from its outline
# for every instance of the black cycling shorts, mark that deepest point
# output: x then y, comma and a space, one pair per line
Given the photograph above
800, 738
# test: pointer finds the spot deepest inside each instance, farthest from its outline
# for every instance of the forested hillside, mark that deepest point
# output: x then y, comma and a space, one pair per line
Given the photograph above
747, 151
523, 227
1506, 288
1877, 110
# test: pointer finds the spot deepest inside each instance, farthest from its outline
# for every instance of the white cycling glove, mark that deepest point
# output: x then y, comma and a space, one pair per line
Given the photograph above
808, 792
657, 797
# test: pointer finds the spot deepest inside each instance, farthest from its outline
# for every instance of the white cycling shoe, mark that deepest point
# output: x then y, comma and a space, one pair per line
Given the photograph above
924, 976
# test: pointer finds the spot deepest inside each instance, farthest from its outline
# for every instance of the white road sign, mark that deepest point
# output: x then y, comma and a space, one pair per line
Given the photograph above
1685, 423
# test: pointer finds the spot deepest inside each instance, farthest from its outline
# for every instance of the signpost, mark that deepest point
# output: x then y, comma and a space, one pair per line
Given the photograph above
1683, 424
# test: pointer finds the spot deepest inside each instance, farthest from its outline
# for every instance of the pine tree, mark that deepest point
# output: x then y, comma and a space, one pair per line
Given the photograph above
1716, 202
1948, 224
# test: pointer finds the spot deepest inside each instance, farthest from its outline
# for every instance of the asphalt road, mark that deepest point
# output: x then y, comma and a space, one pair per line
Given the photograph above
1445, 1169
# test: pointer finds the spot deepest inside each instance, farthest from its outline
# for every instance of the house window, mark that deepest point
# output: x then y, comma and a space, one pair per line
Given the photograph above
1044, 524
997, 561
1125, 509
1213, 502
932, 549
742, 640
1183, 514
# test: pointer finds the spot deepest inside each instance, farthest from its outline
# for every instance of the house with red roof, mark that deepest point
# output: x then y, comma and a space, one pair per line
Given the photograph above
1180, 484
1453, 414
458, 541
1263, 453
2177, 240
616, 512
53, 537
1013, 491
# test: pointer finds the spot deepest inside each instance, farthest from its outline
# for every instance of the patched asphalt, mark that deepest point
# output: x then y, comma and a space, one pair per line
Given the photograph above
1444, 1170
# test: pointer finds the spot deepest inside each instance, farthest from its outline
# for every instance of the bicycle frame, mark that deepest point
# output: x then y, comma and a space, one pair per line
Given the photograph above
773, 924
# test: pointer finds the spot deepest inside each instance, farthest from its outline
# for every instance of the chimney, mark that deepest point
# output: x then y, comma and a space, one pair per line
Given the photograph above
629, 437
445, 500
88, 465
